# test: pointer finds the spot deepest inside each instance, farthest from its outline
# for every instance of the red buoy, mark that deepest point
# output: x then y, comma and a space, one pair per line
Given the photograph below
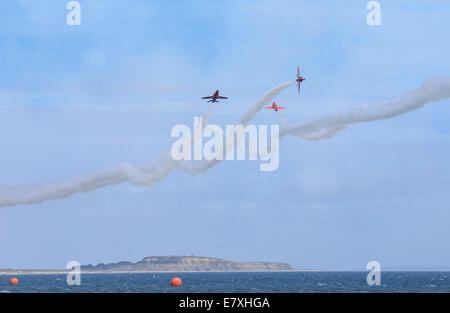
175, 282
13, 281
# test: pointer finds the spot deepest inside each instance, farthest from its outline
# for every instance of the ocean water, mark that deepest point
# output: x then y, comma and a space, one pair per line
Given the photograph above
234, 282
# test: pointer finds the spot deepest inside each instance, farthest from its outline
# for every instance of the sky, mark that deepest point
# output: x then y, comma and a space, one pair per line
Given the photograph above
78, 99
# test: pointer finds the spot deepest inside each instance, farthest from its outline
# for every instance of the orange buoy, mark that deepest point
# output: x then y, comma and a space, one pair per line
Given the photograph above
13, 281
175, 282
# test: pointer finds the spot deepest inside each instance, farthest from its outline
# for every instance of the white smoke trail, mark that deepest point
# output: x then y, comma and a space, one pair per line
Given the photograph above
146, 175
324, 127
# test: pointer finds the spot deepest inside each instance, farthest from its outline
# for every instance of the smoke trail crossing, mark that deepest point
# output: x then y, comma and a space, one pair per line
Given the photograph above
196, 167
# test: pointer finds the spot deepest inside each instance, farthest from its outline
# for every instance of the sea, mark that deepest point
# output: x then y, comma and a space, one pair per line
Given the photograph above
224, 282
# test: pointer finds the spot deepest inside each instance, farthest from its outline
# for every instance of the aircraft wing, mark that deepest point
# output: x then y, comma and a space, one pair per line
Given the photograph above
209, 97
220, 97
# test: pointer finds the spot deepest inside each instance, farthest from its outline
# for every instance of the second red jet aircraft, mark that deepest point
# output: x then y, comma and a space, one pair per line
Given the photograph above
275, 107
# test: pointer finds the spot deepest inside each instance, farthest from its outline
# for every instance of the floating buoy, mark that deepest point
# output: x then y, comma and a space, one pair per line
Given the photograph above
13, 281
175, 282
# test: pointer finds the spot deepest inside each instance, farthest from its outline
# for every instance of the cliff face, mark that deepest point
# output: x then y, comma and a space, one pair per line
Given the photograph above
186, 263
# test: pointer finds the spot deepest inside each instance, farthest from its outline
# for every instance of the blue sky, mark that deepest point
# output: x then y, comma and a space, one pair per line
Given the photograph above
74, 100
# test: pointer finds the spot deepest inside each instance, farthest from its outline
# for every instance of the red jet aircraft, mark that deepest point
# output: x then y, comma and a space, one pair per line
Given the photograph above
275, 107
299, 79
214, 97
